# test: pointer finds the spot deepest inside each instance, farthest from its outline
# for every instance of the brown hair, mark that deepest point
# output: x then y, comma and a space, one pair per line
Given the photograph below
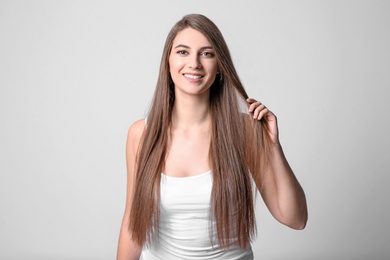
238, 149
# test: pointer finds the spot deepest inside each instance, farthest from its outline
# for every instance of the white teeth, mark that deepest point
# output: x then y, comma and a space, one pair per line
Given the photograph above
192, 76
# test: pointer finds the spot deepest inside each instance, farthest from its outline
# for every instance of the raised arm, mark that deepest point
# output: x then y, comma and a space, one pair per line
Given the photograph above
280, 189
127, 248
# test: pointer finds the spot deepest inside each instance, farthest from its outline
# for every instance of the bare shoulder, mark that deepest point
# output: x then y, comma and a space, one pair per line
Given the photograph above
135, 132
137, 127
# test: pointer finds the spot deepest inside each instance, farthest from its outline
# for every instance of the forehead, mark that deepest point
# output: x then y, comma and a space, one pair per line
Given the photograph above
191, 37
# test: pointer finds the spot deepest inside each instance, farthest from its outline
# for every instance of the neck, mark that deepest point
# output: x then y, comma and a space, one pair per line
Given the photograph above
190, 111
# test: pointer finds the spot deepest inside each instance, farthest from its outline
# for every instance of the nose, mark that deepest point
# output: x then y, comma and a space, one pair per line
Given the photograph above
194, 62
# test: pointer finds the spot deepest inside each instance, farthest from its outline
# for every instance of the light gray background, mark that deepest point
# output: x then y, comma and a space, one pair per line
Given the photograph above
75, 74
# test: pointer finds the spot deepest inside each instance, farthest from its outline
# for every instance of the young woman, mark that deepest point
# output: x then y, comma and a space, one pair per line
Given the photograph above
192, 162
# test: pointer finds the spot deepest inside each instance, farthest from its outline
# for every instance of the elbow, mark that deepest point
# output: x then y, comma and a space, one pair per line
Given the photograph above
298, 223
298, 220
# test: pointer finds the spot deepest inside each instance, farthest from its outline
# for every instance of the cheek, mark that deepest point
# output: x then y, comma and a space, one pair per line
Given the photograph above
212, 64
179, 65
175, 65
174, 70
213, 67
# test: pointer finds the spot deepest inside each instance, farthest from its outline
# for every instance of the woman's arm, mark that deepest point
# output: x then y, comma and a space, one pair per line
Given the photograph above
280, 189
127, 248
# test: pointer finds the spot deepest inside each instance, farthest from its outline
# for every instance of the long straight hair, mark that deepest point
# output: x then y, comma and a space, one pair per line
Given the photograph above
239, 147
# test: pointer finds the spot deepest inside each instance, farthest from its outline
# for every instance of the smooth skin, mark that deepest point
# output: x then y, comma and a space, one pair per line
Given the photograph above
281, 191
193, 68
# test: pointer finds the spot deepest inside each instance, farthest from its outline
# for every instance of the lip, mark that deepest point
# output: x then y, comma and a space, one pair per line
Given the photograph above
193, 77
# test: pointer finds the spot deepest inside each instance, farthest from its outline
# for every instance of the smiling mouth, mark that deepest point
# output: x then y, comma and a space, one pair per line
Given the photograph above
192, 76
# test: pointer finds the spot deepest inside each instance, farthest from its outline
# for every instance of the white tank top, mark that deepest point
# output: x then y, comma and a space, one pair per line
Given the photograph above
185, 222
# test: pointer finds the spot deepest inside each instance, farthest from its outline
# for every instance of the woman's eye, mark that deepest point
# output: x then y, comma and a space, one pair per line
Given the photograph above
182, 52
208, 54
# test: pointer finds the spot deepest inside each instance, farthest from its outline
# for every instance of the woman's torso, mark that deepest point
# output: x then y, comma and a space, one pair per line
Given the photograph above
184, 229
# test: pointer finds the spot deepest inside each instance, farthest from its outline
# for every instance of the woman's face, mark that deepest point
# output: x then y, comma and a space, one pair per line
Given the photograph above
192, 63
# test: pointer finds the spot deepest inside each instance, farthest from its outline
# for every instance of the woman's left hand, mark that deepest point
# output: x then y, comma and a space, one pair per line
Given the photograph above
260, 111
280, 189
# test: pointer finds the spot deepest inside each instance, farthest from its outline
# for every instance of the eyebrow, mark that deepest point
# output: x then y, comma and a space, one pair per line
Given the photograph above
187, 47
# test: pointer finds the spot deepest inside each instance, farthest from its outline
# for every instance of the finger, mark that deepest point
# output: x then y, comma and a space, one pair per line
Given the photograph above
257, 110
251, 100
254, 106
263, 113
